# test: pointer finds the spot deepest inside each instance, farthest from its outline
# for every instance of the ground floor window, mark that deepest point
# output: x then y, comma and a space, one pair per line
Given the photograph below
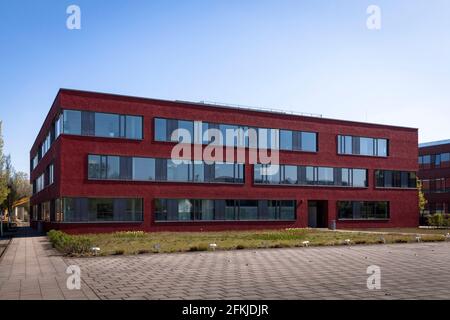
360, 210
100, 210
45, 209
219, 210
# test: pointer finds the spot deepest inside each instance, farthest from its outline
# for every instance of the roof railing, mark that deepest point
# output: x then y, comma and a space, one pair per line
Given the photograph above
244, 107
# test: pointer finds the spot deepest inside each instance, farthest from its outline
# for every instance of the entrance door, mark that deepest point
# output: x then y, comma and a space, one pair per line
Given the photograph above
318, 214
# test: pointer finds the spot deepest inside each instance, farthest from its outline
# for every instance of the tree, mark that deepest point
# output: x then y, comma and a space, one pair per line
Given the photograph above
13, 185
422, 201
3, 172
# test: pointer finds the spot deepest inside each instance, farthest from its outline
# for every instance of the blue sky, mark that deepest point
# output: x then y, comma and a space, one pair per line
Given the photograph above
307, 56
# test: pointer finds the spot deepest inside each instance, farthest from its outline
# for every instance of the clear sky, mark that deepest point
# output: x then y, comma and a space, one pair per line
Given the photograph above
309, 56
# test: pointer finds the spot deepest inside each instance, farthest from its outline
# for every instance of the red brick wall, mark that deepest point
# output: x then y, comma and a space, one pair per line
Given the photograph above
71, 164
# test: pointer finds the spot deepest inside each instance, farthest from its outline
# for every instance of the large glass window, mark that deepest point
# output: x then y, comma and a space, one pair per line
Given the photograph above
363, 210
100, 124
72, 122
285, 140
232, 210
362, 146
160, 129
113, 167
359, 178
133, 127
248, 210
264, 138
309, 141
101, 210
146, 169
185, 209
326, 176
301, 175
366, 146
178, 172
107, 125
143, 169
290, 174
395, 179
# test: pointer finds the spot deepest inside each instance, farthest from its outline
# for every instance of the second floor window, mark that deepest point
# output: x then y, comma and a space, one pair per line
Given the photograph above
100, 124
363, 146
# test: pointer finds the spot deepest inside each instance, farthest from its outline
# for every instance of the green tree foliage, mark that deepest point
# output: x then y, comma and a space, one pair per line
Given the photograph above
422, 201
13, 185
4, 177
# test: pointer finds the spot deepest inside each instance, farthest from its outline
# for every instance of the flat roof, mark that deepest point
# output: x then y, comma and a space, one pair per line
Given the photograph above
434, 143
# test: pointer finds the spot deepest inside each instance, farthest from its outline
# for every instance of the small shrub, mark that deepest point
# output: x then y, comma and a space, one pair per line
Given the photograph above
240, 247
143, 251
401, 241
360, 242
119, 252
68, 244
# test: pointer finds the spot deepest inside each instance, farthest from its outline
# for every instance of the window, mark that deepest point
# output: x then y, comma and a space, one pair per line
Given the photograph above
326, 176
395, 179
199, 171
133, 127
185, 209
45, 211
228, 172
264, 138
301, 175
113, 168
58, 126
153, 169
363, 210
285, 140
178, 172
51, 174
248, 210
40, 183
382, 147
362, 146
287, 210
35, 161
217, 210
359, 178
366, 146
290, 175
107, 125
204, 209
72, 122
101, 210
309, 141
160, 129
188, 131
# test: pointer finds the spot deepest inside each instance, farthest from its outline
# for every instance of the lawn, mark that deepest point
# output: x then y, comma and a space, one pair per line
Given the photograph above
168, 242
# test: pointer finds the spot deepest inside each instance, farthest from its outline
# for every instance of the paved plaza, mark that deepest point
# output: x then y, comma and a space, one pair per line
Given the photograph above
31, 269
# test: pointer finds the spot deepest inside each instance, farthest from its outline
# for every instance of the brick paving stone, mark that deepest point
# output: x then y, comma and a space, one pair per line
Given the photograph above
30, 267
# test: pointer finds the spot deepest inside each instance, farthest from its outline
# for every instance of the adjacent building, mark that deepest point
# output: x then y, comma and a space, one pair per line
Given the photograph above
103, 162
434, 172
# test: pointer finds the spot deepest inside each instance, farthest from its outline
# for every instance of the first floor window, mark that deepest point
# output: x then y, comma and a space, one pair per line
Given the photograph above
363, 210
219, 210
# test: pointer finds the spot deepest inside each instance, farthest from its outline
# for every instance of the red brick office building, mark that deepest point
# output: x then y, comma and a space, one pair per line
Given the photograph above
102, 162
434, 171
